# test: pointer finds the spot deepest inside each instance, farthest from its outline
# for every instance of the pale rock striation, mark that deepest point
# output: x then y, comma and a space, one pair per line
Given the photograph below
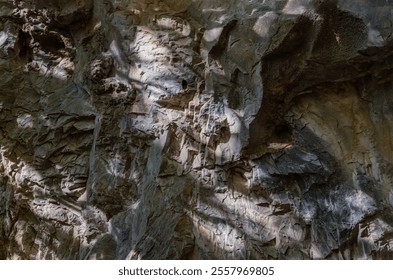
196, 129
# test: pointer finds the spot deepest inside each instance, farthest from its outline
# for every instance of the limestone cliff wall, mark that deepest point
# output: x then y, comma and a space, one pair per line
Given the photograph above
196, 129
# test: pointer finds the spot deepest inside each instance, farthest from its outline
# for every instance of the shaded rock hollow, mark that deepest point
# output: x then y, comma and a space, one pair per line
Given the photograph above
196, 129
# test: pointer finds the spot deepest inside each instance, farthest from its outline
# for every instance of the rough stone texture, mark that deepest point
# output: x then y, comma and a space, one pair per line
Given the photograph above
196, 129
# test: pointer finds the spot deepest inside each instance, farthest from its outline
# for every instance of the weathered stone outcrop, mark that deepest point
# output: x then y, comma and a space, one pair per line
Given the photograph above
196, 129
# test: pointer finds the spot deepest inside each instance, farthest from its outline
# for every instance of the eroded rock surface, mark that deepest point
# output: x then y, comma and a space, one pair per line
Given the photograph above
196, 129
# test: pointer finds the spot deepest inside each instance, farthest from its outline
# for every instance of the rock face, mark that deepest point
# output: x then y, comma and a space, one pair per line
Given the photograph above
196, 129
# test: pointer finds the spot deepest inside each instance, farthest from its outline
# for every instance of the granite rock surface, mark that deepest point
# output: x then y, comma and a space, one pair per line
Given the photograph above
196, 129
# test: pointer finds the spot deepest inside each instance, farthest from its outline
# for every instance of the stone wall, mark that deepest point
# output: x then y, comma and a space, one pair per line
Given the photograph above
196, 129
